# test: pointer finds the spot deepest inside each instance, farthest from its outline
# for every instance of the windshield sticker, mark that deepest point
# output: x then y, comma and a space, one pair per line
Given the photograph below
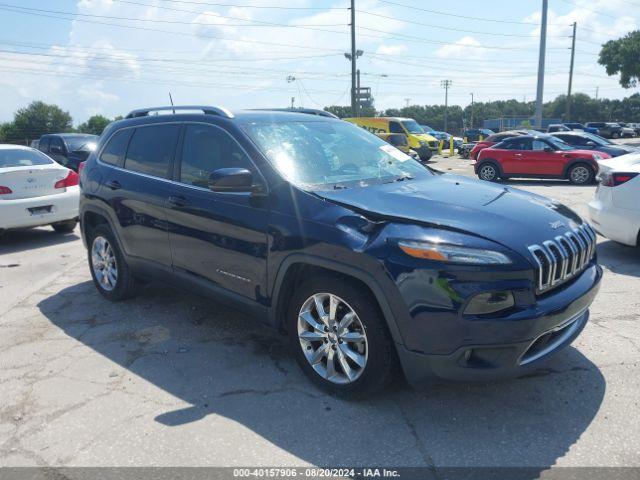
395, 153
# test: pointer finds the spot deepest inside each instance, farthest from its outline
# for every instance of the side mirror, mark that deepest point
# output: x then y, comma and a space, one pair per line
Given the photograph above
549, 149
231, 180
591, 144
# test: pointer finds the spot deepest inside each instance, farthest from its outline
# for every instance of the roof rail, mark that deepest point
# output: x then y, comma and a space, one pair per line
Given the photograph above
207, 110
308, 111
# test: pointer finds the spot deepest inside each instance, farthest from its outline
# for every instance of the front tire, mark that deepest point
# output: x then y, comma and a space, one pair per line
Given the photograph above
67, 226
339, 337
615, 135
111, 274
488, 172
580, 174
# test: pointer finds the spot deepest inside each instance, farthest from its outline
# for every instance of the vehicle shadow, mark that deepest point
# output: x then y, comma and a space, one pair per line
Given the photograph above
14, 241
223, 363
527, 182
619, 258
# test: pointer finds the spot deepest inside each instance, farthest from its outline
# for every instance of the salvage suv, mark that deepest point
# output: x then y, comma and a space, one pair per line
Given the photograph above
373, 264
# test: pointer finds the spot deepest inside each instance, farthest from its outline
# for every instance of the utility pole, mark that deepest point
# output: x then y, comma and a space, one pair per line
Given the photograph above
293, 101
471, 121
597, 88
446, 84
567, 115
543, 47
354, 103
407, 100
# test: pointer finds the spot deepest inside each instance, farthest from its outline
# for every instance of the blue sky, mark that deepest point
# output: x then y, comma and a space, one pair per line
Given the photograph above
111, 56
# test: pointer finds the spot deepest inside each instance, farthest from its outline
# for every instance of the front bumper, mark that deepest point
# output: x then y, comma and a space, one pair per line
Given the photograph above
521, 342
16, 213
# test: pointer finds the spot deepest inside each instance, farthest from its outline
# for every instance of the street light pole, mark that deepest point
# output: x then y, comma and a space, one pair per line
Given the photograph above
573, 55
471, 121
446, 84
354, 103
543, 47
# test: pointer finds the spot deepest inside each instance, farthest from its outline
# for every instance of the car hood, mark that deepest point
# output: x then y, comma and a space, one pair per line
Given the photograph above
506, 215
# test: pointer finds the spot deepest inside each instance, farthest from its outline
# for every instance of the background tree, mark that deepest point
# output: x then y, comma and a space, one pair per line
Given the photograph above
95, 125
622, 57
40, 118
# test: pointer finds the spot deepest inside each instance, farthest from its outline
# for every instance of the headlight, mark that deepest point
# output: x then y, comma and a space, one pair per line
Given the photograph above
423, 143
597, 156
453, 253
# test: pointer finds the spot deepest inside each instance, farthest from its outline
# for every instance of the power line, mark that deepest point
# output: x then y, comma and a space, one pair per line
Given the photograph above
266, 7
439, 42
170, 32
413, 22
455, 15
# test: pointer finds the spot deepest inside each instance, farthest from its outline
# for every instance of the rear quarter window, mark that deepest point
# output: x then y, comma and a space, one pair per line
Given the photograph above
114, 152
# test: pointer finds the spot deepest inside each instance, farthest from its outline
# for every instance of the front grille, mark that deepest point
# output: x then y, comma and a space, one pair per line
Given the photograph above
563, 257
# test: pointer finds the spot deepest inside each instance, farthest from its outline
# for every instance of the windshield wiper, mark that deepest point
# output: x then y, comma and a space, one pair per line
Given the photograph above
339, 186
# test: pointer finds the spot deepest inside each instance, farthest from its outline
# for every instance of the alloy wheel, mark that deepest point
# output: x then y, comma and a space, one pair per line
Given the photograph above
580, 175
103, 262
488, 172
332, 338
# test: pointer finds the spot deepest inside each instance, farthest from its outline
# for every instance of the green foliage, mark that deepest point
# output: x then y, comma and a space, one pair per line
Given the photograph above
95, 125
622, 57
345, 112
39, 118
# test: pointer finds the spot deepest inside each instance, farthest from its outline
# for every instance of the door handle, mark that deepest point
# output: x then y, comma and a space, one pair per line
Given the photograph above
177, 201
518, 154
113, 185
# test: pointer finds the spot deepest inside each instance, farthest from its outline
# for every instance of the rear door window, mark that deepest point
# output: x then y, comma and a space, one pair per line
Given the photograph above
114, 152
151, 149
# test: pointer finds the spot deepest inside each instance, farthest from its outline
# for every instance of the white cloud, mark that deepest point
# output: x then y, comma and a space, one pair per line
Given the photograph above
463, 48
392, 49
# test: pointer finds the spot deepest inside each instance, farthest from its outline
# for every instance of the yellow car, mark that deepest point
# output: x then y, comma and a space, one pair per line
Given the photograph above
421, 142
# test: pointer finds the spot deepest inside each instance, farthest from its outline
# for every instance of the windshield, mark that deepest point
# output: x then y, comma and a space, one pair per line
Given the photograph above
426, 128
22, 158
412, 126
560, 144
85, 143
317, 155
597, 139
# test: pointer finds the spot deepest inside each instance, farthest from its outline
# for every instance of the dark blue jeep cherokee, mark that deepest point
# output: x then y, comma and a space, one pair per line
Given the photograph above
373, 264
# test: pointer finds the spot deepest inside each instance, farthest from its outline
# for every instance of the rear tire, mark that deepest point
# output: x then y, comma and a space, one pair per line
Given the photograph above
580, 174
488, 172
364, 346
67, 226
615, 135
111, 274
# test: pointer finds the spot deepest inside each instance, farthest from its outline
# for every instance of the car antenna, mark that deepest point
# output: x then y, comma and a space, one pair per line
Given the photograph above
171, 100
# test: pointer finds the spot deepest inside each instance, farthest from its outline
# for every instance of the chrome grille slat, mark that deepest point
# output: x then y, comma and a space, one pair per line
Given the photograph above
563, 257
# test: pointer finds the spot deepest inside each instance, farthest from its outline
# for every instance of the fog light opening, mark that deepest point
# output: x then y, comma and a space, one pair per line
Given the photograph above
490, 302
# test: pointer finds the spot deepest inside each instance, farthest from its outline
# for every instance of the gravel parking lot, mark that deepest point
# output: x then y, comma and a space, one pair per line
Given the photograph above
170, 379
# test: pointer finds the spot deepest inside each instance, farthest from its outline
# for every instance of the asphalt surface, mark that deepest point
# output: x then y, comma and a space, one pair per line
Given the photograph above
170, 379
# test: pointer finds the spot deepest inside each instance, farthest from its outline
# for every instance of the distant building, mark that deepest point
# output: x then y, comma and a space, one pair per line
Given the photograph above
510, 123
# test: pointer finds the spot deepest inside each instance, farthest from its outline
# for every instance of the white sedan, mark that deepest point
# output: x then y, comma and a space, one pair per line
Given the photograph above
35, 191
615, 209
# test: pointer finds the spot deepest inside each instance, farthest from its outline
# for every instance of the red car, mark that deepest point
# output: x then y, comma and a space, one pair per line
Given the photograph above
541, 156
491, 140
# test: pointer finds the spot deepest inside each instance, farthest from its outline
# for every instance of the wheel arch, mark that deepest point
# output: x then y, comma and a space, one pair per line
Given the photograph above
296, 268
91, 217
